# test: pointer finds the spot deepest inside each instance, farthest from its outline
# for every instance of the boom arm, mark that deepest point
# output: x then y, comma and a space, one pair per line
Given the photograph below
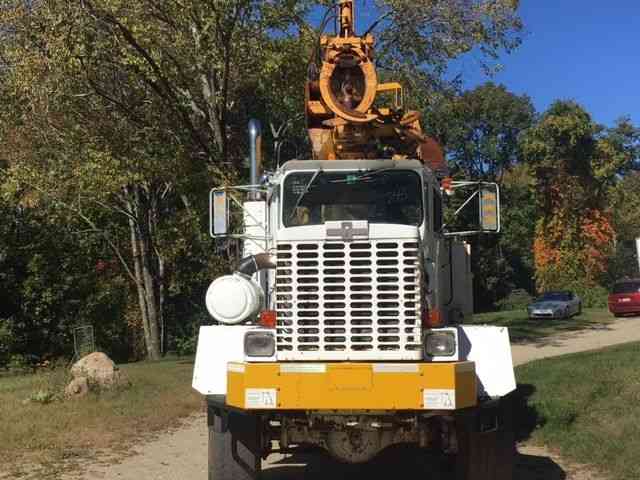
345, 117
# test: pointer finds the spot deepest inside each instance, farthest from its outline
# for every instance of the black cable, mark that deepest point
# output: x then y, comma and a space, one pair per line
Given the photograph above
376, 23
315, 54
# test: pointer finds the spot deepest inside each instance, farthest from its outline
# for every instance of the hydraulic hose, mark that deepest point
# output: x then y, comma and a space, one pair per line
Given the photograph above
254, 263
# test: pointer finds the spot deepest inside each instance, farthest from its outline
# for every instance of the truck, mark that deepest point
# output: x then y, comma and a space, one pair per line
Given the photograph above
343, 328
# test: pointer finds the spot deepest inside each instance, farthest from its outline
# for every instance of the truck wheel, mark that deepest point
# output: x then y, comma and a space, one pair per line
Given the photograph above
222, 464
486, 443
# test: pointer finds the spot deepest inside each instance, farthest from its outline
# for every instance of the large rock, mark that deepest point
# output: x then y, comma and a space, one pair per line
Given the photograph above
99, 370
78, 387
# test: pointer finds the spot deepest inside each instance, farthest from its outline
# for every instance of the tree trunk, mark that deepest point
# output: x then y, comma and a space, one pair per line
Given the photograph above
145, 273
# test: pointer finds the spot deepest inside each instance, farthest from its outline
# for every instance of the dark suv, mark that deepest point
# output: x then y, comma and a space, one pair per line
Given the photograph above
625, 297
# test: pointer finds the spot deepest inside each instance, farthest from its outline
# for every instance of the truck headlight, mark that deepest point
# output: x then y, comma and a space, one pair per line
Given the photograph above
440, 344
259, 344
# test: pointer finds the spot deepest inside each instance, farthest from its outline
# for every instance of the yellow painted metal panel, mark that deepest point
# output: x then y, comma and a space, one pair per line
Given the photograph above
389, 86
350, 386
317, 108
235, 389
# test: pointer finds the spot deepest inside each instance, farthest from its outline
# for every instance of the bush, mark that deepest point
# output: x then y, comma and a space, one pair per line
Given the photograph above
50, 383
593, 297
5, 338
42, 396
186, 345
517, 300
19, 365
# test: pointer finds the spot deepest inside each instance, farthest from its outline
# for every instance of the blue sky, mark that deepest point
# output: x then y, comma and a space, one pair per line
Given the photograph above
585, 50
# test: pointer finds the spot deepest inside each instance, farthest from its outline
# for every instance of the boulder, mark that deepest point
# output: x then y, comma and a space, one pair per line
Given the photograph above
78, 387
98, 369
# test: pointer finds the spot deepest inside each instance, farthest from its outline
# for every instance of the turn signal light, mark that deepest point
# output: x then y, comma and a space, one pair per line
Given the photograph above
432, 319
447, 185
268, 318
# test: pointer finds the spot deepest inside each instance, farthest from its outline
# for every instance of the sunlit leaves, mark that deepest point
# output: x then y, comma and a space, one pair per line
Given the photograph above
481, 130
574, 162
426, 34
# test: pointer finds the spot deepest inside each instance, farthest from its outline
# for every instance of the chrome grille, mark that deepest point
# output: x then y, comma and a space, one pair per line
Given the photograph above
343, 300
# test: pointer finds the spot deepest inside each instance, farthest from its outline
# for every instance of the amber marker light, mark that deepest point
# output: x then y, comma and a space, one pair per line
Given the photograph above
268, 318
432, 319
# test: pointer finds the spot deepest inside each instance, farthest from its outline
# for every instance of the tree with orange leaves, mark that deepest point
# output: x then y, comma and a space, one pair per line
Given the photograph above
575, 161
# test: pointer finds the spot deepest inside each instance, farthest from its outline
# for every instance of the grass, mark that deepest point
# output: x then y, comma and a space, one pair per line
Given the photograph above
55, 433
524, 330
587, 405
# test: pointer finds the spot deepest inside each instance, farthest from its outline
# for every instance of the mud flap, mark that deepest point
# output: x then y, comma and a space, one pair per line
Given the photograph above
486, 442
234, 444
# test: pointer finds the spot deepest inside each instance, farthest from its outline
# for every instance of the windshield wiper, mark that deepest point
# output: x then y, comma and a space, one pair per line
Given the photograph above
302, 195
364, 176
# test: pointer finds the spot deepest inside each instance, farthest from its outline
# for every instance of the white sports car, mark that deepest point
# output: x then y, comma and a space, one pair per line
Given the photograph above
560, 304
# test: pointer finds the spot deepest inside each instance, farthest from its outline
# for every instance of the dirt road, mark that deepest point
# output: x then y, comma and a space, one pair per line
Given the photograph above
182, 454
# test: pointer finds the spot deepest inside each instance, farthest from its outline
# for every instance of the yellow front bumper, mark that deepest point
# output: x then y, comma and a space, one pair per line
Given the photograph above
351, 386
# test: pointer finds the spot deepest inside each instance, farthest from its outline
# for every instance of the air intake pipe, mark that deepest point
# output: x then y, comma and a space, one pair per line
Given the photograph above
255, 157
250, 265
236, 298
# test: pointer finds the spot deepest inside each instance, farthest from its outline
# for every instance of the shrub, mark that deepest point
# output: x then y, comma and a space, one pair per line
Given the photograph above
42, 396
593, 297
5, 339
516, 300
19, 365
186, 345
50, 383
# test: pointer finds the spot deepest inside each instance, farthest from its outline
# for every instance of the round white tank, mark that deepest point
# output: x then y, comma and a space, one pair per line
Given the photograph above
232, 299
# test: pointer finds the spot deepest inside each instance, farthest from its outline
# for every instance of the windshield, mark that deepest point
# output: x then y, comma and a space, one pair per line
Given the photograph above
555, 296
378, 196
626, 287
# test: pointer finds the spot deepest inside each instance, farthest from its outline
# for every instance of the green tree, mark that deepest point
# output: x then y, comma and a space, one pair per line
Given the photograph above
50, 283
624, 200
518, 216
418, 39
625, 204
480, 131
575, 163
136, 106
121, 114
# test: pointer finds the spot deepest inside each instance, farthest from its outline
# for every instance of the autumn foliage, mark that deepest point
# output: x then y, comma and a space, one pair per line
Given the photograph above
574, 236
565, 252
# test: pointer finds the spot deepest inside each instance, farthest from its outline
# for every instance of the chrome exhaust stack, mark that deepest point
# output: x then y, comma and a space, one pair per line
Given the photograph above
255, 158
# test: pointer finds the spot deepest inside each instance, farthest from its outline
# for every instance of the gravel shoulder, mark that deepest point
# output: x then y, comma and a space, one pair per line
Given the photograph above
182, 453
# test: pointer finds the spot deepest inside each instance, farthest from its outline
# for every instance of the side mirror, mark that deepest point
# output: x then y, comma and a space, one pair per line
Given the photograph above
218, 213
472, 208
231, 216
489, 210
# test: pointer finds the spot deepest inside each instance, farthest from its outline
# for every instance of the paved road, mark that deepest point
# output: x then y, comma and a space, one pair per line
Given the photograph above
181, 454
623, 330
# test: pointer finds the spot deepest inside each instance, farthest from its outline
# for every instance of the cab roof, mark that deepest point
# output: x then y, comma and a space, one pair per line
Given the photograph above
352, 165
